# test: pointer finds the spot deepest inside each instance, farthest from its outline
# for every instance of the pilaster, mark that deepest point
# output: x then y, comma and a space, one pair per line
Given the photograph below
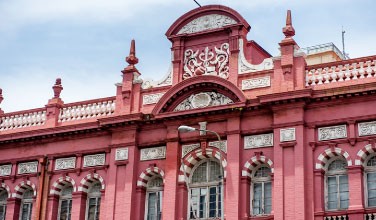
78, 205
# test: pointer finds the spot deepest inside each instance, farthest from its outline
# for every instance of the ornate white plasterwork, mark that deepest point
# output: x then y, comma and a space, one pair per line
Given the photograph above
151, 98
165, 81
202, 100
259, 140
367, 128
245, 67
207, 62
220, 145
153, 153
206, 22
203, 127
94, 160
256, 83
287, 134
65, 163
187, 148
5, 170
121, 154
29, 167
332, 132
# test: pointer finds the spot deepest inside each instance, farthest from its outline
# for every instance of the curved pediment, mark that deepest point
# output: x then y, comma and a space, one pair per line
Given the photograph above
206, 22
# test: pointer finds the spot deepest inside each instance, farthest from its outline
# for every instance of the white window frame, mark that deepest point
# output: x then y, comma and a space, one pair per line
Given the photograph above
262, 180
367, 170
64, 197
152, 190
336, 174
24, 201
4, 203
91, 195
206, 185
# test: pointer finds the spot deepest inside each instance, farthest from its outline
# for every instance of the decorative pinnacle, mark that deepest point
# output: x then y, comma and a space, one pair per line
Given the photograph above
132, 59
1, 96
288, 31
57, 88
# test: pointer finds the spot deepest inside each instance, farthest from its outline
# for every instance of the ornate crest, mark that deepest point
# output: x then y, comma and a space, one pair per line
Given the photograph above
202, 100
207, 22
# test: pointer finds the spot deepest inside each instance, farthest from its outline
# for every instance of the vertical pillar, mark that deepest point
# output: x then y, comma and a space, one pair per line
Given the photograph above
52, 207
108, 207
130, 183
278, 195
232, 187
140, 206
183, 201
13, 209
355, 175
319, 193
78, 205
245, 198
299, 174
169, 209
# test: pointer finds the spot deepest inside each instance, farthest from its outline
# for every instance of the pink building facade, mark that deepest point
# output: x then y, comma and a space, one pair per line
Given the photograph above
297, 141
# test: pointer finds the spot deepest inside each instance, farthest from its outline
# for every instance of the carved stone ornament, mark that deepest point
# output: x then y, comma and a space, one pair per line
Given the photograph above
220, 145
202, 127
121, 154
186, 149
207, 62
245, 67
256, 83
153, 153
29, 167
332, 132
165, 81
260, 140
367, 128
202, 100
151, 98
287, 134
5, 170
65, 163
94, 160
207, 22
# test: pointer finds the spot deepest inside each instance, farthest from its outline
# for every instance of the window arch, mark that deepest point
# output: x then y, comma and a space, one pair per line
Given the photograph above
337, 186
370, 176
65, 203
3, 203
93, 201
205, 190
261, 191
26, 204
154, 195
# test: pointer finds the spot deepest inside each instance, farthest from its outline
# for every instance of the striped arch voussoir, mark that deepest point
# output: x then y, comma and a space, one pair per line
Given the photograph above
22, 187
149, 173
325, 156
251, 164
194, 157
6, 187
88, 180
59, 184
364, 153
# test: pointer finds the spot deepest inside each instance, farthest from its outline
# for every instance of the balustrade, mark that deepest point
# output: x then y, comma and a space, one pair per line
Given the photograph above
36, 118
370, 216
90, 110
337, 217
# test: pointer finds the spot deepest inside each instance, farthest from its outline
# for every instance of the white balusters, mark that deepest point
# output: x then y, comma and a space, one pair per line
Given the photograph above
23, 120
90, 110
340, 73
338, 217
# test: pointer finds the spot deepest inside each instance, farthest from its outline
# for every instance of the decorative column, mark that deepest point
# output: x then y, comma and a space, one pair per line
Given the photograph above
245, 197
356, 185
130, 183
169, 207
183, 201
319, 205
233, 175
53, 207
78, 205
13, 209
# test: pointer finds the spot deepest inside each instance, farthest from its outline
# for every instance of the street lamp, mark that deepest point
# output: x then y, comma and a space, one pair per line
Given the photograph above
185, 129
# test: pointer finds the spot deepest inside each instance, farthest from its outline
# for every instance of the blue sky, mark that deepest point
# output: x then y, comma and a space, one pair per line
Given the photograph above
85, 42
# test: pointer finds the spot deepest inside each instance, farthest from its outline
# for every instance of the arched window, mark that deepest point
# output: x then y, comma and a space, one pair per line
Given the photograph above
205, 191
26, 204
65, 203
154, 193
370, 170
3, 203
337, 185
93, 201
261, 192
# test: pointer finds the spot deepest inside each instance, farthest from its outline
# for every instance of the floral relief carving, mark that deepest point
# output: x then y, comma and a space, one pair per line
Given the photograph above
186, 149
260, 140
287, 134
332, 132
256, 83
221, 145
206, 22
202, 100
121, 154
207, 62
94, 160
153, 153
29, 167
151, 98
5, 170
367, 128
65, 163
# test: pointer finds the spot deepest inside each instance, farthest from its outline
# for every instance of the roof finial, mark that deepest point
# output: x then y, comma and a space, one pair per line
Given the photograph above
288, 31
57, 88
1, 99
132, 59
